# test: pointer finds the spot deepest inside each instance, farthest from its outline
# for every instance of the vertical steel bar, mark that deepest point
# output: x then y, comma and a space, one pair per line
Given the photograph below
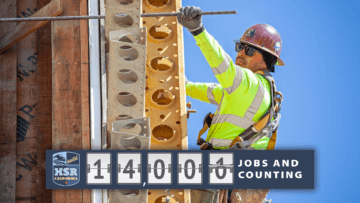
95, 96
103, 85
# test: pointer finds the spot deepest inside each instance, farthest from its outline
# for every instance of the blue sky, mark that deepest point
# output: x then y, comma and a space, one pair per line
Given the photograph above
319, 83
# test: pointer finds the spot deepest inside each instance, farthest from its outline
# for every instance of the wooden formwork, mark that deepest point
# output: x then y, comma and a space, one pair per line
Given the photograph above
8, 61
70, 89
44, 88
26, 105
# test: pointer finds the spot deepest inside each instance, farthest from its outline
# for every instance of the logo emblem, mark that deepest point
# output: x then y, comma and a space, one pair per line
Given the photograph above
250, 33
66, 168
277, 46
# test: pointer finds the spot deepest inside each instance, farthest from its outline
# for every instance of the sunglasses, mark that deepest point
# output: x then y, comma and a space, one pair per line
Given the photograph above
248, 49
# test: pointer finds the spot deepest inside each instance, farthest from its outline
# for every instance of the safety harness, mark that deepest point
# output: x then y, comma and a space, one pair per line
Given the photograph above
266, 126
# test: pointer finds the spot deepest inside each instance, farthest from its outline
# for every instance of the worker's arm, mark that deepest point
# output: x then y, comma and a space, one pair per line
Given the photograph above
206, 92
225, 71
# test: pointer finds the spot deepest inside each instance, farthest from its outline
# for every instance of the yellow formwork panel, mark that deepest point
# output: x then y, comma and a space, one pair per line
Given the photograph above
165, 98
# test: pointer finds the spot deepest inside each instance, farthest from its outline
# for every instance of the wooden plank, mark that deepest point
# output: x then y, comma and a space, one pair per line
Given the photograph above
25, 28
66, 93
44, 105
85, 108
8, 61
27, 100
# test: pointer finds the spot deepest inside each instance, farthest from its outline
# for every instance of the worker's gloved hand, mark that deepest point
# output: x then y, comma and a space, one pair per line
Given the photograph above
189, 17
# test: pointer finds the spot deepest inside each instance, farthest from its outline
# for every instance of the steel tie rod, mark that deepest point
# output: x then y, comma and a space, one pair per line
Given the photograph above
103, 16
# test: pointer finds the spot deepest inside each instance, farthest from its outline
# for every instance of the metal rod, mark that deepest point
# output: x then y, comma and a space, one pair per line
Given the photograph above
51, 18
175, 14
103, 16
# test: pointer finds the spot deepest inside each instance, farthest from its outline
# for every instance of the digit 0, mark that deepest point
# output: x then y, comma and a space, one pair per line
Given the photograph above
187, 167
162, 169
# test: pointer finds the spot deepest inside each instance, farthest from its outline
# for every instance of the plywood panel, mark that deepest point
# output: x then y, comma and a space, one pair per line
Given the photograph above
27, 106
44, 105
8, 61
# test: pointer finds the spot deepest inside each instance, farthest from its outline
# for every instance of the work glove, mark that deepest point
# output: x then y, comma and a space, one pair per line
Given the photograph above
189, 18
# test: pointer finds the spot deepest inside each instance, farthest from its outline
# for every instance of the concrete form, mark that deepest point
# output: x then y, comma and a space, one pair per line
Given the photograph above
165, 87
126, 47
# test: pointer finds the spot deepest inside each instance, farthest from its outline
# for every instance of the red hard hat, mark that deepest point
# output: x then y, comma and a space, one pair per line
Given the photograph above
264, 37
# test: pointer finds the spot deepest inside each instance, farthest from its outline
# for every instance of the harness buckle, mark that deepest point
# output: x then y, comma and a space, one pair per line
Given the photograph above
275, 123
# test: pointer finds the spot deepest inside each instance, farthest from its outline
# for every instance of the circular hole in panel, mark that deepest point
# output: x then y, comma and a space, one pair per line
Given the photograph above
159, 49
147, 110
175, 55
132, 128
159, 31
163, 132
126, 99
180, 193
127, 76
133, 192
144, 22
163, 97
174, 44
146, 88
177, 122
128, 53
124, 117
174, 22
161, 64
125, 2
126, 47
158, 3
129, 38
124, 22
162, 116
131, 143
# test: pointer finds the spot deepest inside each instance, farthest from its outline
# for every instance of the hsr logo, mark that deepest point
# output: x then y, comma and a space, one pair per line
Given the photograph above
66, 168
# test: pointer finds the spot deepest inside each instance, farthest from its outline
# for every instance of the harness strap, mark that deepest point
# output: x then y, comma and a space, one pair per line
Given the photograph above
272, 141
206, 124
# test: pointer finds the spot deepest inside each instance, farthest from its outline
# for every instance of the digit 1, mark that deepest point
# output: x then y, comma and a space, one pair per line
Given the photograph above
99, 170
220, 162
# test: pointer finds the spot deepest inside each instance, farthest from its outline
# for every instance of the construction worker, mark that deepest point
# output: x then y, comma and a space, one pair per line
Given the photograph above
245, 93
